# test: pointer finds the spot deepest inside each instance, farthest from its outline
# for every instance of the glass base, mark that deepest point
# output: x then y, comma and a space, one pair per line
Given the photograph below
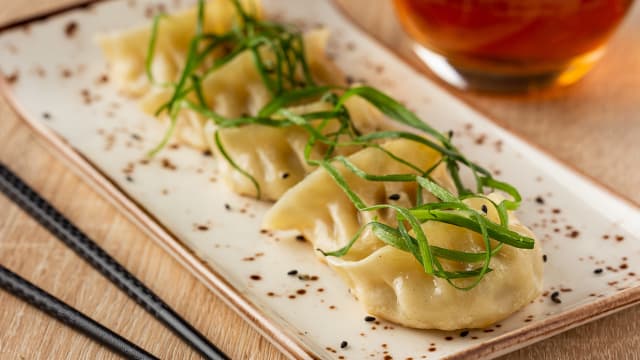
508, 81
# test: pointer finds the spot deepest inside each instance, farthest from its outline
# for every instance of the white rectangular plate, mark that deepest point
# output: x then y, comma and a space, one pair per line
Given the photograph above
54, 76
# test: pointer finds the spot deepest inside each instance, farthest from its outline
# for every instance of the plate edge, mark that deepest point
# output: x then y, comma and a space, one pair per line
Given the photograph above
108, 190
550, 326
11, 24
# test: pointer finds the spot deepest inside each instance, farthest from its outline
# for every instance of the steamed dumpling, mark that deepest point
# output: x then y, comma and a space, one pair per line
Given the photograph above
390, 283
275, 156
236, 89
233, 90
126, 51
319, 209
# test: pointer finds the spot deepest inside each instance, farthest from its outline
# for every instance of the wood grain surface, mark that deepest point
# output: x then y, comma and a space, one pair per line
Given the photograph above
594, 125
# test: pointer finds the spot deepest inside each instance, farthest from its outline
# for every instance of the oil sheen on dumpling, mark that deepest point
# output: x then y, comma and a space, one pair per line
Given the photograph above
275, 156
389, 282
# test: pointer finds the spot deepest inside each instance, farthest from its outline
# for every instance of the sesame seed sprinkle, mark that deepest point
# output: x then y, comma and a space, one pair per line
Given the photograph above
394, 197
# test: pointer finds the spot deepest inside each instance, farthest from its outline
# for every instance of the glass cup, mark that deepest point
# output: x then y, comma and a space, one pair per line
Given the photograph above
510, 45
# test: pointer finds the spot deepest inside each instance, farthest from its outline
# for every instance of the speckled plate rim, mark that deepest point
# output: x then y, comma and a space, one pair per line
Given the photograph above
110, 191
287, 344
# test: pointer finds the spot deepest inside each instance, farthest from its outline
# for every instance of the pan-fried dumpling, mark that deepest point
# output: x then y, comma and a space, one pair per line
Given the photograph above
390, 283
275, 156
319, 209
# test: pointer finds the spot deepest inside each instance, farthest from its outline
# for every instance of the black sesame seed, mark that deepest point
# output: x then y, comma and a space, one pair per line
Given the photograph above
343, 344
129, 178
394, 197
450, 133
540, 200
544, 257
555, 297
46, 115
369, 318
484, 208
301, 238
227, 206
464, 333
285, 175
598, 271
292, 272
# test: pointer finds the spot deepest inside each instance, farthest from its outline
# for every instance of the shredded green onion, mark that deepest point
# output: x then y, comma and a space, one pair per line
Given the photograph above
279, 57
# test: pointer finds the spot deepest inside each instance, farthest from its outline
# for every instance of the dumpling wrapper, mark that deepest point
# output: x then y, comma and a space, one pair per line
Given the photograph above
275, 156
233, 90
126, 53
237, 89
320, 210
126, 50
390, 283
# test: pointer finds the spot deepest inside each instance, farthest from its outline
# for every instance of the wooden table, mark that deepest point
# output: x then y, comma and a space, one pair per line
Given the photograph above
594, 125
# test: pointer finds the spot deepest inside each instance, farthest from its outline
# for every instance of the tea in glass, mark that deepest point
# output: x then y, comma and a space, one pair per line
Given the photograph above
510, 44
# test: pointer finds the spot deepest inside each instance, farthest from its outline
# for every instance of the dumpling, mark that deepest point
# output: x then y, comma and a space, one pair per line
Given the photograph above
318, 208
233, 90
390, 283
237, 89
126, 51
275, 156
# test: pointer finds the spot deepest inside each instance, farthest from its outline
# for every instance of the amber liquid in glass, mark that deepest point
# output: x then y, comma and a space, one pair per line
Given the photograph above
507, 42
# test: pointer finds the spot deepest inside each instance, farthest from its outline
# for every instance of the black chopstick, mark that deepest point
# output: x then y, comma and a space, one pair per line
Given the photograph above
46, 302
50, 218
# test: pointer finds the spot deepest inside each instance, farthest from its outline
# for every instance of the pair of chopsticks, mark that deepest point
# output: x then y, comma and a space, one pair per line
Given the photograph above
51, 219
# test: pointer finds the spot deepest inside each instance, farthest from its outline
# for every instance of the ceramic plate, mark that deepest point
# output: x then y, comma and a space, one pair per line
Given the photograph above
54, 75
